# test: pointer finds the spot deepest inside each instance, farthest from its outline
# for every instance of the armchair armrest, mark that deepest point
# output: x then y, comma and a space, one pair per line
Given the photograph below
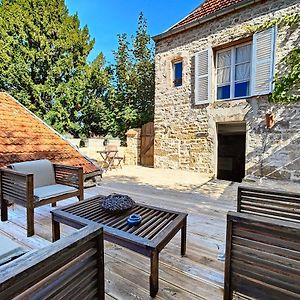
69, 175
16, 186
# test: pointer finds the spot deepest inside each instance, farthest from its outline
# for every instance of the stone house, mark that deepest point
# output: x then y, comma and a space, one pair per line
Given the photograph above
213, 78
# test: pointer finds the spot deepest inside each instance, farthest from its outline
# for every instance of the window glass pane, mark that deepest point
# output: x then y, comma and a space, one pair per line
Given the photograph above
178, 74
224, 59
242, 72
223, 75
243, 54
241, 89
223, 92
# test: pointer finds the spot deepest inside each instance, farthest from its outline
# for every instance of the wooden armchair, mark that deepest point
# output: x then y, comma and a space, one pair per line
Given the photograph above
269, 203
36, 183
72, 268
262, 258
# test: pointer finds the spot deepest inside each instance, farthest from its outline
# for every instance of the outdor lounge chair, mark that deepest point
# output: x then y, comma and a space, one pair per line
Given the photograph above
36, 183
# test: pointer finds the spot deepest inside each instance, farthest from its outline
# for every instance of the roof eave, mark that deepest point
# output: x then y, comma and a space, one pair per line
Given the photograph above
205, 19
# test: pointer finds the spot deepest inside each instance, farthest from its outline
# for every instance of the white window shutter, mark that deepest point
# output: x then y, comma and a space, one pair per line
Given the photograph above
263, 61
203, 71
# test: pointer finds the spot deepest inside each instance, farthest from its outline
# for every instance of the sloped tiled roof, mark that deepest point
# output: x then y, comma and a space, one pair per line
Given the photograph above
206, 8
23, 137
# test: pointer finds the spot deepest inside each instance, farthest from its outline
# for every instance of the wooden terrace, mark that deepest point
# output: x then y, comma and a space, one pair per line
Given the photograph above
198, 275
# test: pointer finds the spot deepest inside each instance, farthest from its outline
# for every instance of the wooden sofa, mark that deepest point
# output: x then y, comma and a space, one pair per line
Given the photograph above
262, 258
72, 268
36, 183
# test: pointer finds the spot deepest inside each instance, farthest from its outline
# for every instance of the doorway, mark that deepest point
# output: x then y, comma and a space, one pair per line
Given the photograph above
231, 151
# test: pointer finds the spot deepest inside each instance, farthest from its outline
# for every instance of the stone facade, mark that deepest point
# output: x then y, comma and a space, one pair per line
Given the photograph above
186, 135
132, 153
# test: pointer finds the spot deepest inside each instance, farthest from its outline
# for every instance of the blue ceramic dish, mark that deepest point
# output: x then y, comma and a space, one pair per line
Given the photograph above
134, 220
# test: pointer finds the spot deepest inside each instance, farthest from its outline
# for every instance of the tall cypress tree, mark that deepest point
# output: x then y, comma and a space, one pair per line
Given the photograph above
133, 99
43, 59
144, 66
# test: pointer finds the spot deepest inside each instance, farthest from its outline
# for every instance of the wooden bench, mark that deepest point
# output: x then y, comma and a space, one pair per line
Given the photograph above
262, 258
269, 203
72, 268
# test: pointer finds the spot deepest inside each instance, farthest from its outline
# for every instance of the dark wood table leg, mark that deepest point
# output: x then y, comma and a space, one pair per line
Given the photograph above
183, 238
55, 230
4, 215
154, 260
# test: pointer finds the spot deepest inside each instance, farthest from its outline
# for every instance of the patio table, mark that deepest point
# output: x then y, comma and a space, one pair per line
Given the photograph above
157, 228
109, 157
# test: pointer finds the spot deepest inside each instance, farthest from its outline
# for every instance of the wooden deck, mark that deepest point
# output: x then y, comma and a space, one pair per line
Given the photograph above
199, 275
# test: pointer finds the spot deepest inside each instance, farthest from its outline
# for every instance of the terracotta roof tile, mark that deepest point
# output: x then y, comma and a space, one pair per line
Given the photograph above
206, 8
24, 137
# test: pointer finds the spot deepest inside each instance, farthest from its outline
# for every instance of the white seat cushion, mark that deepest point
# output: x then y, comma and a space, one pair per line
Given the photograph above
46, 192
42, 170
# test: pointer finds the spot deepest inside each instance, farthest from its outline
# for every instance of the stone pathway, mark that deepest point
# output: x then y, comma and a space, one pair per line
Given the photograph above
189, 181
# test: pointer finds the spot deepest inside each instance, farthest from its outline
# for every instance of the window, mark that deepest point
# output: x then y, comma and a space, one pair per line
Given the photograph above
177, 73
233, 72
240, 71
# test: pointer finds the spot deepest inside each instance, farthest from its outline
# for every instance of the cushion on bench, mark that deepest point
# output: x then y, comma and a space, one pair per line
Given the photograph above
54, 190
42, 170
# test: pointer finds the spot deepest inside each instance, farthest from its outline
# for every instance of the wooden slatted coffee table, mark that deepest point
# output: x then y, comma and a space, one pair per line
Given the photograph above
157, 228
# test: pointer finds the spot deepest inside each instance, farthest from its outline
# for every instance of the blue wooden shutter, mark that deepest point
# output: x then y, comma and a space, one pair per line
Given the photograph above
263, 61
203, 71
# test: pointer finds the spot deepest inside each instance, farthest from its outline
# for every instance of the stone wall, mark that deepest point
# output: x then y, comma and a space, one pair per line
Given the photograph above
186, 136
132, 153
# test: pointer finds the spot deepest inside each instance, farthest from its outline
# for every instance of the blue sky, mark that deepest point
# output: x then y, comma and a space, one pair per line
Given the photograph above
105, 19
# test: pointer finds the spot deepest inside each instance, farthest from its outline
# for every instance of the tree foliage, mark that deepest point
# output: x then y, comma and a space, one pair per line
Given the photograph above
44, 64
133, 100
287, 83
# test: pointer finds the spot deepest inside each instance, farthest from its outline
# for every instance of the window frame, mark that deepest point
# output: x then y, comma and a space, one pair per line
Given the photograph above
232, 71
177, 61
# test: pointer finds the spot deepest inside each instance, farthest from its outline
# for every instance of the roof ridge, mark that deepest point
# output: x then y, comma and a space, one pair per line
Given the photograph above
206, 8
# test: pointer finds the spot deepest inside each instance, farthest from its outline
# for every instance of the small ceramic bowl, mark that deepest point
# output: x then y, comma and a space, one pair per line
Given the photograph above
134, 220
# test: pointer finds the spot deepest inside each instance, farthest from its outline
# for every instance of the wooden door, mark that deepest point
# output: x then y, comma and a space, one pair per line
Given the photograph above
147, 145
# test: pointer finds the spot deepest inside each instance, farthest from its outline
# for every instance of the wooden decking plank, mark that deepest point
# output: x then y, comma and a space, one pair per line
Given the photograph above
198, 273
141, 278
169, 274
19, 234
